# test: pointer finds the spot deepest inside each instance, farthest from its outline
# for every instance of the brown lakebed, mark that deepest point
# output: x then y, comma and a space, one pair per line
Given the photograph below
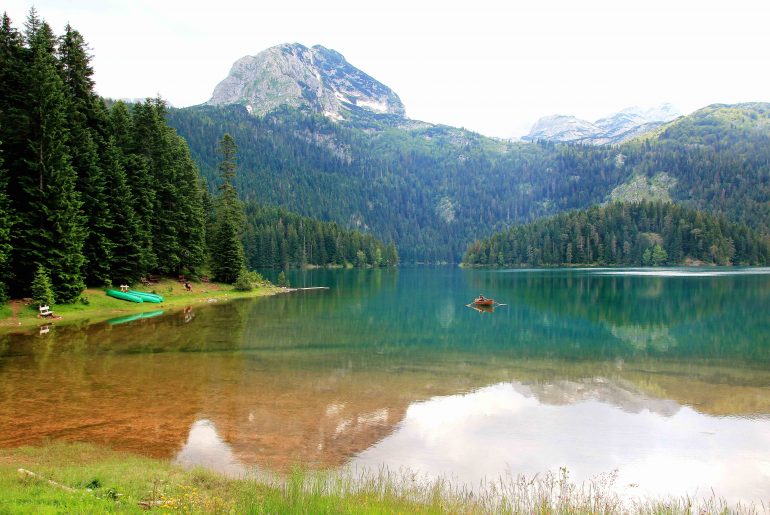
665, 378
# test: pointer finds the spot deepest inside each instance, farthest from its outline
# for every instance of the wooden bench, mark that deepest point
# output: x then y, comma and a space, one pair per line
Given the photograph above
45, 311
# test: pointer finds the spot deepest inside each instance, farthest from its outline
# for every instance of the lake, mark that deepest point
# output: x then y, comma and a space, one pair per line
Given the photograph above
661, 375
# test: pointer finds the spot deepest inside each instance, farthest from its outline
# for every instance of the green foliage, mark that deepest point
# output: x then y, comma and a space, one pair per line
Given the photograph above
52, 228
125, 480
277, 238
41, 289
6, 225
85, 119
646, 233
283, 282
243, 282
432, 190
659, 255
227, 256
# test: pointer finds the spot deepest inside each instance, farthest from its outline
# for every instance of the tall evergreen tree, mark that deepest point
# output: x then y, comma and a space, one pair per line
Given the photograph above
137, 170
51, 229
6, 224
14, 133
125, 234
85, 121
152, 142
190, 213
227, 256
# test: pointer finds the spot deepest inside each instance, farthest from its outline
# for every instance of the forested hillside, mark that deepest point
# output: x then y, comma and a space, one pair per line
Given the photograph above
639, 234
277, 238
434, 189
430, 190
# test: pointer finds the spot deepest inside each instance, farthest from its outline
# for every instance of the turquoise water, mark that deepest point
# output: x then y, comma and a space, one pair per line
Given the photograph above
662, 375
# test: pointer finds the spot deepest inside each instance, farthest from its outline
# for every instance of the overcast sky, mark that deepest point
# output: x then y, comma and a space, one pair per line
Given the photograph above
491, 66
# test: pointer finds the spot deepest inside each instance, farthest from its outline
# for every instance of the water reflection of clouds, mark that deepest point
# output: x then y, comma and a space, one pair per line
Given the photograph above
205, 448
505, 428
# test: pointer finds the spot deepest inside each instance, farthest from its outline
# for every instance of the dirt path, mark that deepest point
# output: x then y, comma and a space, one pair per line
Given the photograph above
13, 320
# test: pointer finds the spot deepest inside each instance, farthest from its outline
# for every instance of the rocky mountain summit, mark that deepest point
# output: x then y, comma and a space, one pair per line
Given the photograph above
613, 129
316, 78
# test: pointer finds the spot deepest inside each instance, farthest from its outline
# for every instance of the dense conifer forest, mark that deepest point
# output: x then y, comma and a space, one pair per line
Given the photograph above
276, 238
635, 234
434, 189
91, 194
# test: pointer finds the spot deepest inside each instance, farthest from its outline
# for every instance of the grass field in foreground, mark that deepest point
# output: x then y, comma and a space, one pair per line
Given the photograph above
84, 478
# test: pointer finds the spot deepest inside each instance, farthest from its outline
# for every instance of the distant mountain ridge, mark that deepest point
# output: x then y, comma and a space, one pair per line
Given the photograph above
614, 129
316, 79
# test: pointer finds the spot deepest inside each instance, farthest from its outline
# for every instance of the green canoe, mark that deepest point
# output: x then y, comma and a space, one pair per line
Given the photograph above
146, 296
124, 296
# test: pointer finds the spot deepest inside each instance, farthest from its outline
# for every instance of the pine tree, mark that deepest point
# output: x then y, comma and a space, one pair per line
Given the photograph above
124, 233
6, 225
40, 289
658, 256
86, 122
190, 213
152, 142
51, 229
137, 170
227, 257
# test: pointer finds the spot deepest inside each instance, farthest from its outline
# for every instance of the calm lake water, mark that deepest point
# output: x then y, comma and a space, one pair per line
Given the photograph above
662, 375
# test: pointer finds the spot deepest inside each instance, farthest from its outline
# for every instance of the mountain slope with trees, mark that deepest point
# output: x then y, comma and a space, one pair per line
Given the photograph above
277, 238
638, 234
434, 189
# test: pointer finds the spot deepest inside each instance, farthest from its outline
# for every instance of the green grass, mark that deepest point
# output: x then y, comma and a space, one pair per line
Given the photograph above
100, 307
107, 481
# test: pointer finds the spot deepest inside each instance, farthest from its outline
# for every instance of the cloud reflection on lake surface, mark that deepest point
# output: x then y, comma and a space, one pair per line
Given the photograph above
516, 428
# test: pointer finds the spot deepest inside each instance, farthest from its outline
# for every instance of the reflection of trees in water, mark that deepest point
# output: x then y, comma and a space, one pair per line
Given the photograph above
645, 337
702, 317
619, 300
615, 392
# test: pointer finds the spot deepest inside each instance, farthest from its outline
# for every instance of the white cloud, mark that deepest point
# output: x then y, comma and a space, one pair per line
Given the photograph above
494, 67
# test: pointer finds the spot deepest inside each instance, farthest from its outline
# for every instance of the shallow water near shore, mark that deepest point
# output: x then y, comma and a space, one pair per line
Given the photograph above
662, 375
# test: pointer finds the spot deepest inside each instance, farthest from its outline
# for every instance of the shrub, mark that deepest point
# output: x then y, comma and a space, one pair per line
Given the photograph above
282, 280
243, 281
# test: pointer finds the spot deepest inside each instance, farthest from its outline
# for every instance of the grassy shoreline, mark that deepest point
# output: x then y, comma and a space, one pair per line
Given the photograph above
61, 477
16, 315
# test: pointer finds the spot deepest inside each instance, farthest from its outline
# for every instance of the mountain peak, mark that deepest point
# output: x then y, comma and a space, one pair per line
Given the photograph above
317, 78
615, 128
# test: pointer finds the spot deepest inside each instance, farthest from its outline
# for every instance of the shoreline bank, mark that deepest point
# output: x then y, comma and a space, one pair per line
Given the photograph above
20, 315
